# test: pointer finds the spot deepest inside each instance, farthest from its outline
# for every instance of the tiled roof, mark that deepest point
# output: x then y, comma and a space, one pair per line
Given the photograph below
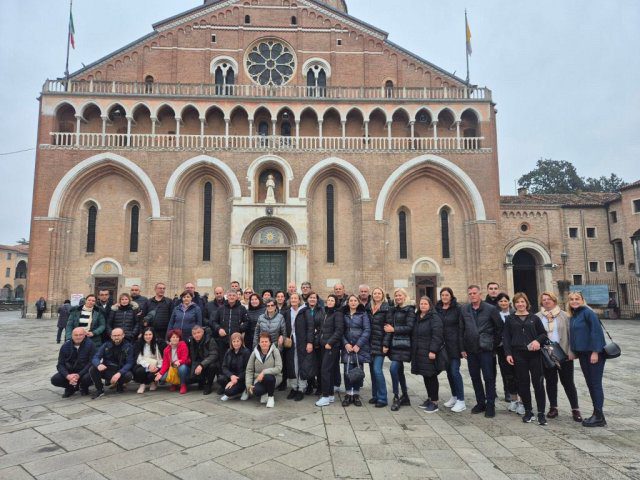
635, 184
24, 249
583, 199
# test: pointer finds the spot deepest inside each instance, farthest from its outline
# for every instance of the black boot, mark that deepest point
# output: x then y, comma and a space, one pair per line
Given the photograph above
404, 400
395, 406
595, 420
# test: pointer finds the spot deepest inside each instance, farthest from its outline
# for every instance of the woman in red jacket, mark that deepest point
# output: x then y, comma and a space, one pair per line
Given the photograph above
175, 355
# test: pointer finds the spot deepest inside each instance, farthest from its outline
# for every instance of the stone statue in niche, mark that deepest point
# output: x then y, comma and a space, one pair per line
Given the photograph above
271, 190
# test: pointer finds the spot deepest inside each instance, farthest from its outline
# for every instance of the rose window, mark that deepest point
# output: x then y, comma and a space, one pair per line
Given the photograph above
271, 62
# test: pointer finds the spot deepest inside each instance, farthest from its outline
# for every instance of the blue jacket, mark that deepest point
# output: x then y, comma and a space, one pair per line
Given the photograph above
115, 356
585, 332
357, 331
72, 360
185, 320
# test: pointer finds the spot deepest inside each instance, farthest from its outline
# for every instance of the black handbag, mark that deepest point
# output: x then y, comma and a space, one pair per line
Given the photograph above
355, 374
553, 355
308, 368
611, 349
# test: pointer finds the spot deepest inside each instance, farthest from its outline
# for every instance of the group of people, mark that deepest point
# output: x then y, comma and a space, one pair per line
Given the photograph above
251, 344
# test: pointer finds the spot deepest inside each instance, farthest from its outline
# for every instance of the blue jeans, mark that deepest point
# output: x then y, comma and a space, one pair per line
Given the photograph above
397, 377
378, 383
482, 362
455, 379
593, 373
183, 372
347, 384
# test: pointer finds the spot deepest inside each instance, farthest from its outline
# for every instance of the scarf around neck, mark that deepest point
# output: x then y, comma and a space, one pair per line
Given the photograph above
551, 317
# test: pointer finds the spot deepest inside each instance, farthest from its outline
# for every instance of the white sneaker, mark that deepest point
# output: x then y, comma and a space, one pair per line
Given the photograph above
224, 398
459, 406
451, 402
323, 402
141, 388
264, 398
513, 406
245, 396
271, 402
332, 399
153, 387
520, 409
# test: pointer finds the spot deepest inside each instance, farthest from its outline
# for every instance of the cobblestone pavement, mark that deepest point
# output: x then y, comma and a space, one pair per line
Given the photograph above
162, 435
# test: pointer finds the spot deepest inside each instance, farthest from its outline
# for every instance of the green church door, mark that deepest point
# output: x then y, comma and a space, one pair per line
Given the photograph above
269, 271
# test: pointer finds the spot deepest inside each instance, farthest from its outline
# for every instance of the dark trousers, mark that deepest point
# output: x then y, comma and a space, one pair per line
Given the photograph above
481, 366
330, 359
140, 375
529, 372
59, 381
237, 389
206, 375
433, 386
97, 376
39, 313
593, 374
507, 372
59, 334
337, 376
316, 381
566, 378
266, 386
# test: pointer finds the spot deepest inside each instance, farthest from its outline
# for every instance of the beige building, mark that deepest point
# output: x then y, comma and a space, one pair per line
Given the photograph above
14, 260
263, 143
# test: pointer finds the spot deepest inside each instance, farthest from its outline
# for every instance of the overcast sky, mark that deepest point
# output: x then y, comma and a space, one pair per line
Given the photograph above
564, 74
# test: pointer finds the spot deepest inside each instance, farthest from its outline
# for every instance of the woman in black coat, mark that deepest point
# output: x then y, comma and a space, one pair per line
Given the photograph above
300, 331
255, 309
449, 311
427, 343
397, 343
378, 314
124, 315
314, 314
330, 340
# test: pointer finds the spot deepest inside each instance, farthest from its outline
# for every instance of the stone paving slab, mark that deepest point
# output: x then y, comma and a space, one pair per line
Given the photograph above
163, 435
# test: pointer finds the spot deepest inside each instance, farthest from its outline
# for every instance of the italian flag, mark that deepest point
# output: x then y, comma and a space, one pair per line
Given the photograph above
72, 31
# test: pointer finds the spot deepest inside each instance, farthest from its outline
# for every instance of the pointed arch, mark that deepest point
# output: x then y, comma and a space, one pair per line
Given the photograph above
178, 174
341, 164
465, 180
86, 165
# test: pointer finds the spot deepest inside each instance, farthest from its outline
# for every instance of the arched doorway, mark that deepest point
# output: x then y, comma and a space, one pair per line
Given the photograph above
106, 275
19, 295
270, 257
525, 276
426, 276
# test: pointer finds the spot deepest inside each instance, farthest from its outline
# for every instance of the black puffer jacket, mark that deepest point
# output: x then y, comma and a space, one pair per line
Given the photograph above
315, 316
156, 314
378, 320
231, 319
453, 330
253, 314
125, 318
332, 328
427, 337
402, 319
303, 335
482, 329
235, 363
204, 352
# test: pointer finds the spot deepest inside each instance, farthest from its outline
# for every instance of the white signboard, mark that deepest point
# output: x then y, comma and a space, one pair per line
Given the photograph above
75, 299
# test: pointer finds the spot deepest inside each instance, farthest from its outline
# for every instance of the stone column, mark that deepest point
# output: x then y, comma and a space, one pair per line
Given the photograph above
434, 124
129, 123
202, 123
227, 122
320, 131
78, 121
458, 146
297, 133
344, 132
105, 119
154, 122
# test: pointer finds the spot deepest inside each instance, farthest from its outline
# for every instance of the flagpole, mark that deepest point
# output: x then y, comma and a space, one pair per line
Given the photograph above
466, 36
66, 69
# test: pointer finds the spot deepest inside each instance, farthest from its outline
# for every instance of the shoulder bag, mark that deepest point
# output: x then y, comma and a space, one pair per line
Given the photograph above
611, 349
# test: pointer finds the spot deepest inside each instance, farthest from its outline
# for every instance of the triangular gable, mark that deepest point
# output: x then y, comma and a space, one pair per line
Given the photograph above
208, 8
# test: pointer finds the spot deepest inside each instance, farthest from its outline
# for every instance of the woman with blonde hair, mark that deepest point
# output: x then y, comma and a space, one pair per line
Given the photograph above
587, 342
378, 313
556, 323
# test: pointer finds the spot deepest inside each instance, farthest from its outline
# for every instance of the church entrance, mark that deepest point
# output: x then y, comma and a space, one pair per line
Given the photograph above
525, 277
106, 283
426, 287
269, 270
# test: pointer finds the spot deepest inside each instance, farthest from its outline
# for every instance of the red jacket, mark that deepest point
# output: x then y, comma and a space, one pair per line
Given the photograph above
183, 356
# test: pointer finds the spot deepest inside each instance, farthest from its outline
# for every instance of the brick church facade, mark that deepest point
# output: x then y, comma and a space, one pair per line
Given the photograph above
154, 163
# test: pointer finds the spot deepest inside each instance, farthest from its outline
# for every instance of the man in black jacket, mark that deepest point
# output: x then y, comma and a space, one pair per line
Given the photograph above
203, 352
104, 303
157, 311
74, 362
493, 289
213, 306
482, 333
113, 362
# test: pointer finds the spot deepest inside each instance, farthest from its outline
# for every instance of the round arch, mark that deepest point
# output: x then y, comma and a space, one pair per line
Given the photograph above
425, 260
257, 164
94, 267
541, 252
429, 159
259, 223
66, 103
176, 176
321, 62
475, 111
341, 164
83, 167
224, 59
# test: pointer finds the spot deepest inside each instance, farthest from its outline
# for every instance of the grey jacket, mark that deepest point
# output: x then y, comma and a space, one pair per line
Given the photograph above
272, 365
274, 326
